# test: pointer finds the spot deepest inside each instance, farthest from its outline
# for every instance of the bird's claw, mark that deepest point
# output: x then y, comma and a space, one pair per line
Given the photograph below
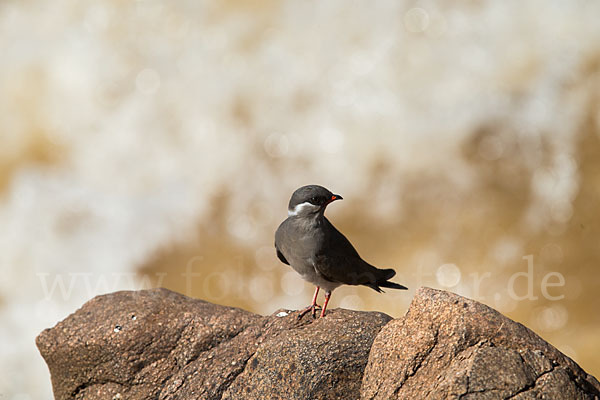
312, 308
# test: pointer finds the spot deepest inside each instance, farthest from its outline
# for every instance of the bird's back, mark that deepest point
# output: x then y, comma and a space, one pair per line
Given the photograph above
336, 242
338, 261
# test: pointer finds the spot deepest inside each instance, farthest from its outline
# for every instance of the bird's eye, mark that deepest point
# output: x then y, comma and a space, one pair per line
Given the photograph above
314, 200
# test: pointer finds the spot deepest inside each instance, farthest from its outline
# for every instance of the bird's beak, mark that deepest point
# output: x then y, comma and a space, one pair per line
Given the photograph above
336, 197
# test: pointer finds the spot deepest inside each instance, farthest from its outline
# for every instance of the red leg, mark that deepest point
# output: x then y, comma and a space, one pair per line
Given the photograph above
327, 296
314, 302
312, 307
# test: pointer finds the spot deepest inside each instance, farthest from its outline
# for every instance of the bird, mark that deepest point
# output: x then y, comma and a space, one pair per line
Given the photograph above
320, 253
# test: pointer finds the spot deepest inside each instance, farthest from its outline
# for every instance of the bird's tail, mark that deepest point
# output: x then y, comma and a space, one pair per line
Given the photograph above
385, 274
392, 285
383, 280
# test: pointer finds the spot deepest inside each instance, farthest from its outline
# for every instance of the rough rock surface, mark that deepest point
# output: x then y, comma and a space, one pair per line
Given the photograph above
450, 347
156, 344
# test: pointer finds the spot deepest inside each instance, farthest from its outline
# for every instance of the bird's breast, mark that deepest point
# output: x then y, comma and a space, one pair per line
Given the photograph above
300, 245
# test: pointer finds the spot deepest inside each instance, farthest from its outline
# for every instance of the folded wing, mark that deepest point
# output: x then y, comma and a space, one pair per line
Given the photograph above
340, 262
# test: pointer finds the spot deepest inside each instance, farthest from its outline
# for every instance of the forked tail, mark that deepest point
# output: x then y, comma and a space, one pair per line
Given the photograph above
383, 281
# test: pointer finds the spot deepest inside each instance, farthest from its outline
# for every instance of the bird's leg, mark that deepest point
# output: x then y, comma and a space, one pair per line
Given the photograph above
312, 307
314, 304
327, 296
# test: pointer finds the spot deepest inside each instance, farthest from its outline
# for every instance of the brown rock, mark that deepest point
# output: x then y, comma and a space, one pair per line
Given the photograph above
160, 344
450, 347
324, 360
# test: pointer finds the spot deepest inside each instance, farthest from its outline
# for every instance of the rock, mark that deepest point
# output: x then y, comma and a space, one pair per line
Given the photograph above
450, 347
323, 360
163, 345
156, 344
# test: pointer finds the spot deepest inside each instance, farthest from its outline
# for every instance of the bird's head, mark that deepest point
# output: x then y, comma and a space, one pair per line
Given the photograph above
310, 200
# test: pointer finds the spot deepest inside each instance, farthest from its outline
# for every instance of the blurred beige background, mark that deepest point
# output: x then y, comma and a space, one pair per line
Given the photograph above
154, 143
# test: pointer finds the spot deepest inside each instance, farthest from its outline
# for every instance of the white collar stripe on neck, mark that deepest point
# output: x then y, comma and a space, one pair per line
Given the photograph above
300, 207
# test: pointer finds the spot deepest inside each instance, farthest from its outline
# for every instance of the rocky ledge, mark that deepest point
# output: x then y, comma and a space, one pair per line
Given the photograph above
157, 344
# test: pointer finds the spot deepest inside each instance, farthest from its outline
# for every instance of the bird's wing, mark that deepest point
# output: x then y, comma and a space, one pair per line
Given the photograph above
338, 261
341, 268
280, 256
336, 242
278, 240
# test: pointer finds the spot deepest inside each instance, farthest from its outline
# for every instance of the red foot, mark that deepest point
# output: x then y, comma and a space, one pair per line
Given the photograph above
312, 308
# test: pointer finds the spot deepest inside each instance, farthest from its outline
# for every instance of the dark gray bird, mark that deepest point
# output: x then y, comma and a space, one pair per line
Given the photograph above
310, 244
